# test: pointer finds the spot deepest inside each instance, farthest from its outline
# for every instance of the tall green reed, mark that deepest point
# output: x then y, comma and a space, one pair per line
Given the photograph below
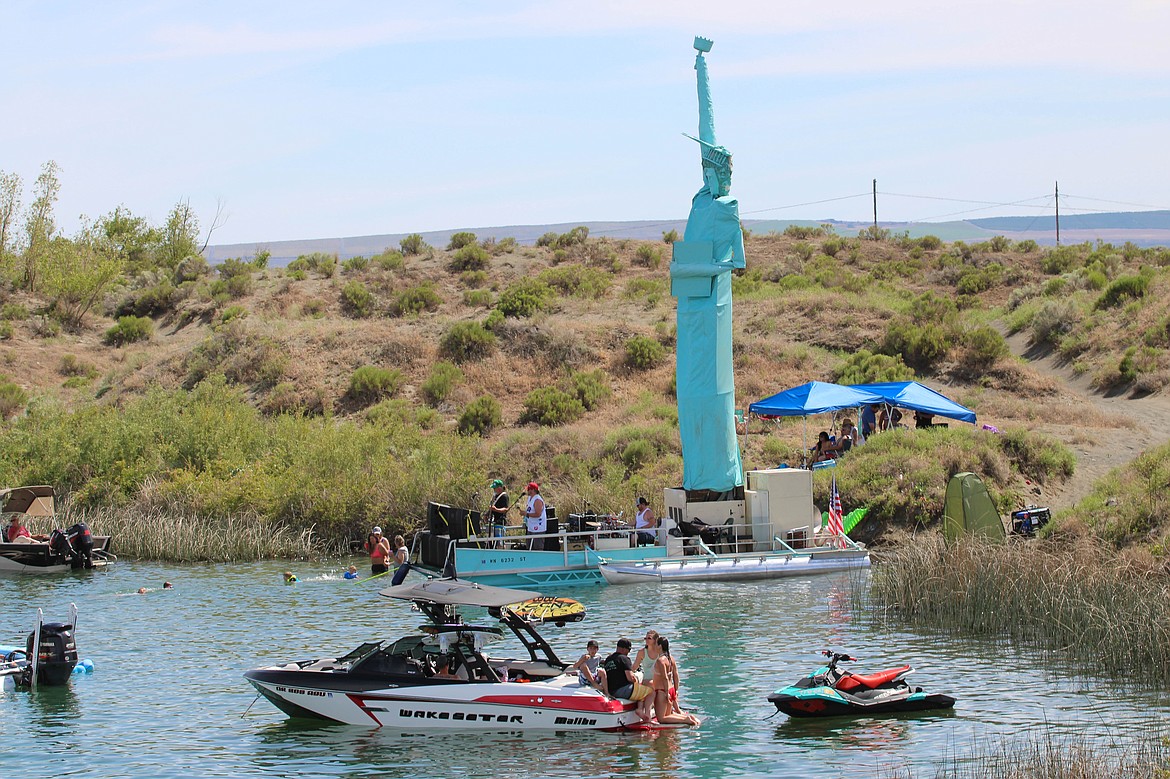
1081, 605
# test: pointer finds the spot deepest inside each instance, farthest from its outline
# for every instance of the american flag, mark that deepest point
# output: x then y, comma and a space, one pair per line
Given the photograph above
836, 528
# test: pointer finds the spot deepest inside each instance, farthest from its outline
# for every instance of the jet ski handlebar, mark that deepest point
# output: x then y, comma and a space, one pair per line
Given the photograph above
837, 657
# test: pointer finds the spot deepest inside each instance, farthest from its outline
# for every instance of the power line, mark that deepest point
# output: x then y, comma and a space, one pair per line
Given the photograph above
984, 205
810, 203
1120, 202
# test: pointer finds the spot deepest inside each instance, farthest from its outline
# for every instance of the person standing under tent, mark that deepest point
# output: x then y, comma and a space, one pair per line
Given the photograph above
869, 420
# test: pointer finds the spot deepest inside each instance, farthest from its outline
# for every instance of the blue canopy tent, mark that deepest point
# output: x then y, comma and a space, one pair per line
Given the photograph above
815, 397
917, 397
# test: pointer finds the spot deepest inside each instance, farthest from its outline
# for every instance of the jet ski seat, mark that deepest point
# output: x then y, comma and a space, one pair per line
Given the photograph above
870, 681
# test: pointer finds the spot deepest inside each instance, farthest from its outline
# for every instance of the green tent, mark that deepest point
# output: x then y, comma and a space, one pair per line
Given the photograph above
969, 509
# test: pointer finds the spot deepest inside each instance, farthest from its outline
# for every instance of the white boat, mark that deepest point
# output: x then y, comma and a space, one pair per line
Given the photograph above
738, 567
396, 685
64, 550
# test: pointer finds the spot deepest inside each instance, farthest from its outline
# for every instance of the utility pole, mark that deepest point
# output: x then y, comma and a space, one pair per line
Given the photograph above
875, 227
1058, 213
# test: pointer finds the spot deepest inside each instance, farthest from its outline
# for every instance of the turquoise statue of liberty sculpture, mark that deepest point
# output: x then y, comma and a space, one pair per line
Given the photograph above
700, 278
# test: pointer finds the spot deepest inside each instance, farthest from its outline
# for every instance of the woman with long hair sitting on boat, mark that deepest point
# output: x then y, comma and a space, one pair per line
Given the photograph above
665, 686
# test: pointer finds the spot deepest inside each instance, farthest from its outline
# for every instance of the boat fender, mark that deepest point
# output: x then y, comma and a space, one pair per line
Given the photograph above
7, 683
83, 667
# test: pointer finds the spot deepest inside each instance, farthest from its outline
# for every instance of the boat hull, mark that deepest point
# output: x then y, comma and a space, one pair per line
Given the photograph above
541, 569
826, 702
747, 567
35, 559
560, 704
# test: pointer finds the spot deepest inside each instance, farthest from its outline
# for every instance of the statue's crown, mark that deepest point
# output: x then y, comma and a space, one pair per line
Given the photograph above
703, 44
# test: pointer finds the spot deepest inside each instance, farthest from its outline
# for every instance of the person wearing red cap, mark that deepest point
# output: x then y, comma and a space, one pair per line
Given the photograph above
535, 516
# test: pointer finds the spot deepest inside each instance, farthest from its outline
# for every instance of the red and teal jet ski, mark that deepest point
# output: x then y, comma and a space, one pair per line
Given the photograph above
834, 692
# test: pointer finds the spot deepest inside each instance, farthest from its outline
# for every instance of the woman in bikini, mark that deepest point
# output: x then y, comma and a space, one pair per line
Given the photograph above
665, 686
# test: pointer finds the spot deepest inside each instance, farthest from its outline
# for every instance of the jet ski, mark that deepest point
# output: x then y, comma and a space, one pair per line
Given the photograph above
834, 692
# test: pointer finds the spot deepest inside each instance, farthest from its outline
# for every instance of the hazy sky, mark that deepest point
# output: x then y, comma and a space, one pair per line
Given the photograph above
336, 119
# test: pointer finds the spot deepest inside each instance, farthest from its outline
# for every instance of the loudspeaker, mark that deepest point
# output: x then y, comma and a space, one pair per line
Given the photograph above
439, 546
552, 543
451, 521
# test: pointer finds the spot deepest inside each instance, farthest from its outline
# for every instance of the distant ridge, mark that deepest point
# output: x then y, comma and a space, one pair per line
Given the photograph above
1143, 228
1124, 220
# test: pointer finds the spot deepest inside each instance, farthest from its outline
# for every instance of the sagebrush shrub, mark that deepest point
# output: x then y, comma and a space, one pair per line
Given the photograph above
355, 264
234, 267
985, 345
357, 300
643, 352
637, 453
417, 300
473, 278
1061, 259
803, 232
470, 257
71, 365
590, 387
152, 300
866, 367
13, 311
461, 239
650, 256
371, 383
480, 416
12, 398
444, 376
413, 244
920, 345
478, 297
551, 407
524, 298
577, 280
466, 341
129, 329
1053, 320
1123, 287
390, 260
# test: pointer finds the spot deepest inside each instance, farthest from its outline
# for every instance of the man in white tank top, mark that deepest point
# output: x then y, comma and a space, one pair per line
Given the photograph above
535, 516
645, 524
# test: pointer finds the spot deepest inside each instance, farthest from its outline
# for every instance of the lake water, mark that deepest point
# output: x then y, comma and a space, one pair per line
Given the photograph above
167, 698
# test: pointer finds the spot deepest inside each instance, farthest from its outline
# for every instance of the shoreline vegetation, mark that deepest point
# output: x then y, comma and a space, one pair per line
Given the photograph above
1048, 755
1093, 613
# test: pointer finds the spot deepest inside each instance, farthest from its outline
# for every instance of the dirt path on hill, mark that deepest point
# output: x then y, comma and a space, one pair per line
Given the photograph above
1104, 432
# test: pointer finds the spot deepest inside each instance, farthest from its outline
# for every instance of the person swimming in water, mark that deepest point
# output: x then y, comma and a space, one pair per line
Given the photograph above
351, 572
290, 577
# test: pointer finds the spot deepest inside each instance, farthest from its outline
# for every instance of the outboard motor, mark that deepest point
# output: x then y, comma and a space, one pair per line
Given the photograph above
59, 545
58, 653
81, 542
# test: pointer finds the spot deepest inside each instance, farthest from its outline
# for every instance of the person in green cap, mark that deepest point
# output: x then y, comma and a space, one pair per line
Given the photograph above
498, 510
